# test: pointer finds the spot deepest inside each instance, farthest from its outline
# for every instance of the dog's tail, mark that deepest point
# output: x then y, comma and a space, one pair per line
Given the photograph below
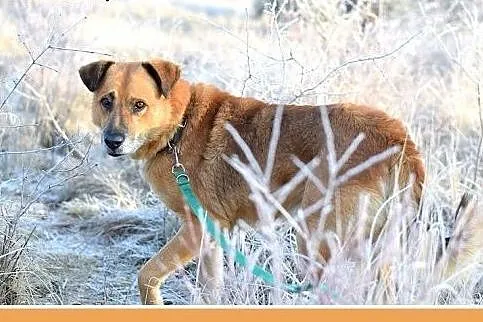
465, 246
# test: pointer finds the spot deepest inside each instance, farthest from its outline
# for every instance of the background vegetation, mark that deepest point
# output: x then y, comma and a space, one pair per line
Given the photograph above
76, 225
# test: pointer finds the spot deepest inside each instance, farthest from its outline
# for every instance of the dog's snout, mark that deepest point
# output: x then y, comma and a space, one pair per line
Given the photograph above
114, 140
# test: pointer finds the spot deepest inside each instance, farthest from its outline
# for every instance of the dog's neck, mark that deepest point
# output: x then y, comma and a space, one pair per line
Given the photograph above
173, 142
179, 98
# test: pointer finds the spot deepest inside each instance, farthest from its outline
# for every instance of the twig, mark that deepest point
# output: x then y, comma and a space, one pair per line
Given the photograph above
80, 51
33, 151
248, 55
352, 148
305, 172
26, 47
308, 172
230, 33
245, 148
17, 126
69, 29
480, 143
329, 137
48, 67
272, 149
354, 61
284, 61
375, 159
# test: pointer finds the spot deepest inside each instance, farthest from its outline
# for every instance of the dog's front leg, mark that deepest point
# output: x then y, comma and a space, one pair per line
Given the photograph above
211, 271
184, 246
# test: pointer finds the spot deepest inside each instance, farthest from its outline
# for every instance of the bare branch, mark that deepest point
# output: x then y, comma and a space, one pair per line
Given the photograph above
80, 51
354, 61
47, 67
329, 136
305, 171
480, 143
272, 149
25, 46
71, 27
17, 126
35, 150
247, 54
245, 148
367, 164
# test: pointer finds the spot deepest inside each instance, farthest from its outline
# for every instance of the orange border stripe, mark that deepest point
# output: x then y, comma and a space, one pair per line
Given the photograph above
242, 314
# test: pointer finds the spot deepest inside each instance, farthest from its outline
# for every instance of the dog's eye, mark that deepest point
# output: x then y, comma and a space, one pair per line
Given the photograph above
139, 106
106, 103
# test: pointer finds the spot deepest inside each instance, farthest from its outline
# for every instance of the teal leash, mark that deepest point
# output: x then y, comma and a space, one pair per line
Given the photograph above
183, 181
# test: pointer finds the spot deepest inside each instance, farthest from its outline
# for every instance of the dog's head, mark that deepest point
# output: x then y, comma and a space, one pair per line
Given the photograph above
137, 104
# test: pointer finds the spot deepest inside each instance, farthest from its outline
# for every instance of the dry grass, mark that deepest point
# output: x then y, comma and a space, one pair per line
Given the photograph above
419, 61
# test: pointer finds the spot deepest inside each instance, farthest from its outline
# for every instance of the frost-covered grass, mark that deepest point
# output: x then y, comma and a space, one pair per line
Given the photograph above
81, 226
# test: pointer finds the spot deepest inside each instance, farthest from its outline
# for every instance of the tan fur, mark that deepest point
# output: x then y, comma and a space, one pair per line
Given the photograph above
222, 191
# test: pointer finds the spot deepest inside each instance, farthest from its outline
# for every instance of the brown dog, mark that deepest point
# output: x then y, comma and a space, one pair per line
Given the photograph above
140, 106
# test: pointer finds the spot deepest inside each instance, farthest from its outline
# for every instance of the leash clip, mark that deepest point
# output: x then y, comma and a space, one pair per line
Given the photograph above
178, 165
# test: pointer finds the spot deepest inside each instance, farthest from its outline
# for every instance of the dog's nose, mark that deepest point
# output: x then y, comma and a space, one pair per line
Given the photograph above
114, 140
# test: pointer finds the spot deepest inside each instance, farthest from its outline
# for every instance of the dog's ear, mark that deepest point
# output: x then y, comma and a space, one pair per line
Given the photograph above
93, 73
164, 73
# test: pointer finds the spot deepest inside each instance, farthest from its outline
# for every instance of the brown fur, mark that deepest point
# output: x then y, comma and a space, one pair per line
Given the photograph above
220, 188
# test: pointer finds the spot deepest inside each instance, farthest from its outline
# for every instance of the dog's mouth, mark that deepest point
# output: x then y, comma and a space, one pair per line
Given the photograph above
115, 153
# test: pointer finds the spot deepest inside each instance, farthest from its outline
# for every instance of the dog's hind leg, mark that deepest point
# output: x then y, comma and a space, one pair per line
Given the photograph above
325, 237
184, 246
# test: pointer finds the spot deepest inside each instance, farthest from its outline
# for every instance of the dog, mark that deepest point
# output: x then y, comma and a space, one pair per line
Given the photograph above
146, 110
